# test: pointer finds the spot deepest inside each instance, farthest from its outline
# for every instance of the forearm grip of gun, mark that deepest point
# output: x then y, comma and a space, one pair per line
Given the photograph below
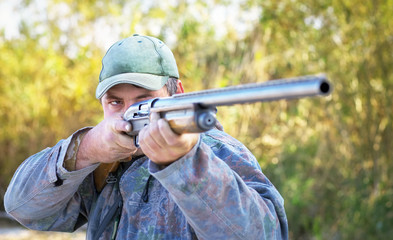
191, 120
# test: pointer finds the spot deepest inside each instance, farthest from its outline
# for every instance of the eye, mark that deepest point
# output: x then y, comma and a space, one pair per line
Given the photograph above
114, 103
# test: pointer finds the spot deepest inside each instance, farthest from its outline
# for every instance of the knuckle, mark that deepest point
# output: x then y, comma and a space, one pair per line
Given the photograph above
155, 129
173, 142
162, 125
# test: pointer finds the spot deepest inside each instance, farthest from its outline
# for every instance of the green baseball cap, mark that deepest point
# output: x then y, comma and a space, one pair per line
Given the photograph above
139, 60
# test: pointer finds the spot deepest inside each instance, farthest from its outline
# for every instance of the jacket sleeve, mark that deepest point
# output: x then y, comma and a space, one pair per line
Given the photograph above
223, 193
43, 195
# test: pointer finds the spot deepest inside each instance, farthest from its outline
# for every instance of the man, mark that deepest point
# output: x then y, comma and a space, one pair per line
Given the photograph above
189, 186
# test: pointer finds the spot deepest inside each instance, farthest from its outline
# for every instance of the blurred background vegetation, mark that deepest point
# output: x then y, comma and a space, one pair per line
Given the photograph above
331, 157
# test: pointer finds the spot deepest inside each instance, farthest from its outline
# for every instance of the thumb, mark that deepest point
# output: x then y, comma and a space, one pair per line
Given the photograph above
122, 126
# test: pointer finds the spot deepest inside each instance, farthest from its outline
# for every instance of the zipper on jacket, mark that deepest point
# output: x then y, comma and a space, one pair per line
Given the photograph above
117, 220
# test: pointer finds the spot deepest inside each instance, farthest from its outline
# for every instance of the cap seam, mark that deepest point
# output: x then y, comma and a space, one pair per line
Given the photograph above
161, 58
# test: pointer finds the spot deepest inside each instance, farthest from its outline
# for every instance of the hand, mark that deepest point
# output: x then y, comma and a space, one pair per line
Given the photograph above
161, 144
106, 143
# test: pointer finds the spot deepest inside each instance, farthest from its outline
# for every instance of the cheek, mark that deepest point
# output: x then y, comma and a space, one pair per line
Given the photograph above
108, 112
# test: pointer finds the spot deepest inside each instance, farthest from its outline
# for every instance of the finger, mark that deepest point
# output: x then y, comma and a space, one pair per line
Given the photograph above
145, 142
152, 137
162, 128
121, 126
126, 142
154, 117
166, 133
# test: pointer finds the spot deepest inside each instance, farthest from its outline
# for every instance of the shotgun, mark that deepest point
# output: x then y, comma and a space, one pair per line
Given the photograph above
195, 112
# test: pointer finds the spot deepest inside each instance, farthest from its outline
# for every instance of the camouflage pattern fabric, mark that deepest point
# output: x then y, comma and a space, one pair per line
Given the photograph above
216, 191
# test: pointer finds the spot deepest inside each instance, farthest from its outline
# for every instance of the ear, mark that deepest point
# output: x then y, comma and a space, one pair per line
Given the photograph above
180, 88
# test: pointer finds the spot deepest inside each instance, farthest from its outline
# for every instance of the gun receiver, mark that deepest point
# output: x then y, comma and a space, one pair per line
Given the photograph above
196, 111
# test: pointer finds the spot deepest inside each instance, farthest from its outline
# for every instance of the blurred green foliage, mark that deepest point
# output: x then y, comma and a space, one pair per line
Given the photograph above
329, 157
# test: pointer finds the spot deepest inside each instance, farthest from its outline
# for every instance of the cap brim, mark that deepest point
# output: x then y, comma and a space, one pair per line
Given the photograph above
144, 80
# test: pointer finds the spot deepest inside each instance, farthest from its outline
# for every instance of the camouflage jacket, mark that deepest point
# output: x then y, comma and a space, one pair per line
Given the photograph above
216, 191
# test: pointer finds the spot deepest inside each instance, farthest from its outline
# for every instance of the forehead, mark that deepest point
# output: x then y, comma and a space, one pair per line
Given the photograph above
125, 88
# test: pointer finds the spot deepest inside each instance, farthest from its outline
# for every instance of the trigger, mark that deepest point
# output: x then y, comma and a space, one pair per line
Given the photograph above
136, 141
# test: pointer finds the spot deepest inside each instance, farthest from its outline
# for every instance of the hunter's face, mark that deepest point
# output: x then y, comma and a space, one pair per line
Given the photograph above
117, 99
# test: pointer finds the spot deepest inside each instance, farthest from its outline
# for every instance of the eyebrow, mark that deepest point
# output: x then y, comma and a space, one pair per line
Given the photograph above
112, 96
145, 95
